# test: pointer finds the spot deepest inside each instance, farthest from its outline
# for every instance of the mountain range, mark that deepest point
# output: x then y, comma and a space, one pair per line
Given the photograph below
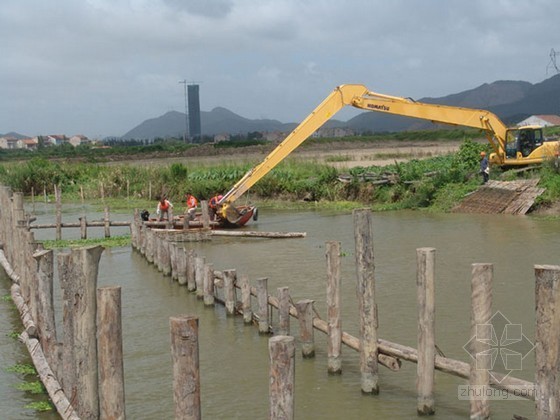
512, 101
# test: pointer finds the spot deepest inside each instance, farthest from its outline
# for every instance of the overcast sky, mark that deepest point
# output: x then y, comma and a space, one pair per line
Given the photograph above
101, 67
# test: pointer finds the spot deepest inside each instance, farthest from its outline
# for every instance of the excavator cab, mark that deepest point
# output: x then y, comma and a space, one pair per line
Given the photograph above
520, 142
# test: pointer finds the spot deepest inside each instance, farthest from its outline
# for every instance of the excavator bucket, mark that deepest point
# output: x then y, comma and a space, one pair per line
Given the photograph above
232, 214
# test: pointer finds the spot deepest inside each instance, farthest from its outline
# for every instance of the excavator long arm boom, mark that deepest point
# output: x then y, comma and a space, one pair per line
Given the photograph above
340, 97
360, 97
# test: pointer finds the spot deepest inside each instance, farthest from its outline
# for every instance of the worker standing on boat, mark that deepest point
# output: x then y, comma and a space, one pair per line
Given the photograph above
484, 167
213, 205
192, 203
163, 207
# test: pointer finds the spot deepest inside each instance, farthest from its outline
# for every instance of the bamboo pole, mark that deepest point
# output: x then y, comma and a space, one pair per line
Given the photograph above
282, 377
425, 289
547, 341
283, 310
304, 310
363, 235
262, 301
186, 371
110, 351
481, 314
246, 299
334, 343
229, 291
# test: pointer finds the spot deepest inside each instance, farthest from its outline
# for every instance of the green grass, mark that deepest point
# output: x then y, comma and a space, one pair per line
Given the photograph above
113, 242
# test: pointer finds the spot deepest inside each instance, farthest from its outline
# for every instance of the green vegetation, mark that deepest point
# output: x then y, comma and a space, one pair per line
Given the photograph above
33, 387
115, 241
23, 369
436, 182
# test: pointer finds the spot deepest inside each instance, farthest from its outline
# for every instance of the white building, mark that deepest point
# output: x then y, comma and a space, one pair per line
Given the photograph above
542, 120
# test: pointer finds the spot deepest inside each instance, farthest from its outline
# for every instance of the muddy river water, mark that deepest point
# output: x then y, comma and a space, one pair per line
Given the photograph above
234, 358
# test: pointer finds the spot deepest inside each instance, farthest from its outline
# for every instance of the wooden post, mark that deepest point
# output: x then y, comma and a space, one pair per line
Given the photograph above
181, 257
199, 276
186, 372
282, 351
481, 329
58, 199
83, 227
363, 235
169, 224
191, 270
246, 299
283, 310
79, 284
45, 306
205, 214
425, 290
127, 189
110, 350
306, 332
547, 341
262, 301
173, 260
229, 291
150, 242
107, 223
208, 285
334, 344
150, 190
165, 257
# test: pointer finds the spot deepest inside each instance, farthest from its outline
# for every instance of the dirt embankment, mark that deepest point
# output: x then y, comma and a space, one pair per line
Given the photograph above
338, 154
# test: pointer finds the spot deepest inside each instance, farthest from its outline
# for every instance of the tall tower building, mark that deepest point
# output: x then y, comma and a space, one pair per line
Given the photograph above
195, 126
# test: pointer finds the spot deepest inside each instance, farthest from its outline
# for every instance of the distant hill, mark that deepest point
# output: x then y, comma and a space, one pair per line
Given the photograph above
512, 101
14, 135
218, 121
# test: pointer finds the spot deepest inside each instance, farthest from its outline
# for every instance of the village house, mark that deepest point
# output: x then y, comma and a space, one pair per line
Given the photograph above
542, 120
79, 139
221, 137
56, 139
28, 144
8, 143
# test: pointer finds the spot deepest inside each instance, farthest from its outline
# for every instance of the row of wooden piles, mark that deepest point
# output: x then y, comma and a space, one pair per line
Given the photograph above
211, 286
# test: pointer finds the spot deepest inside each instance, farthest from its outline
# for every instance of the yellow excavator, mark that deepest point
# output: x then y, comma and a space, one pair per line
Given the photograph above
519, 146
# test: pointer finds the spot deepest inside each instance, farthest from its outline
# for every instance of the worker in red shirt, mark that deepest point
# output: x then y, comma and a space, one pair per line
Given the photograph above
192, 203
163, 207
213, 205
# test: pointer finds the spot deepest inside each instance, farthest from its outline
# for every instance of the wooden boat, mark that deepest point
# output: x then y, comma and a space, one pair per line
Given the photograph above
239, 218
